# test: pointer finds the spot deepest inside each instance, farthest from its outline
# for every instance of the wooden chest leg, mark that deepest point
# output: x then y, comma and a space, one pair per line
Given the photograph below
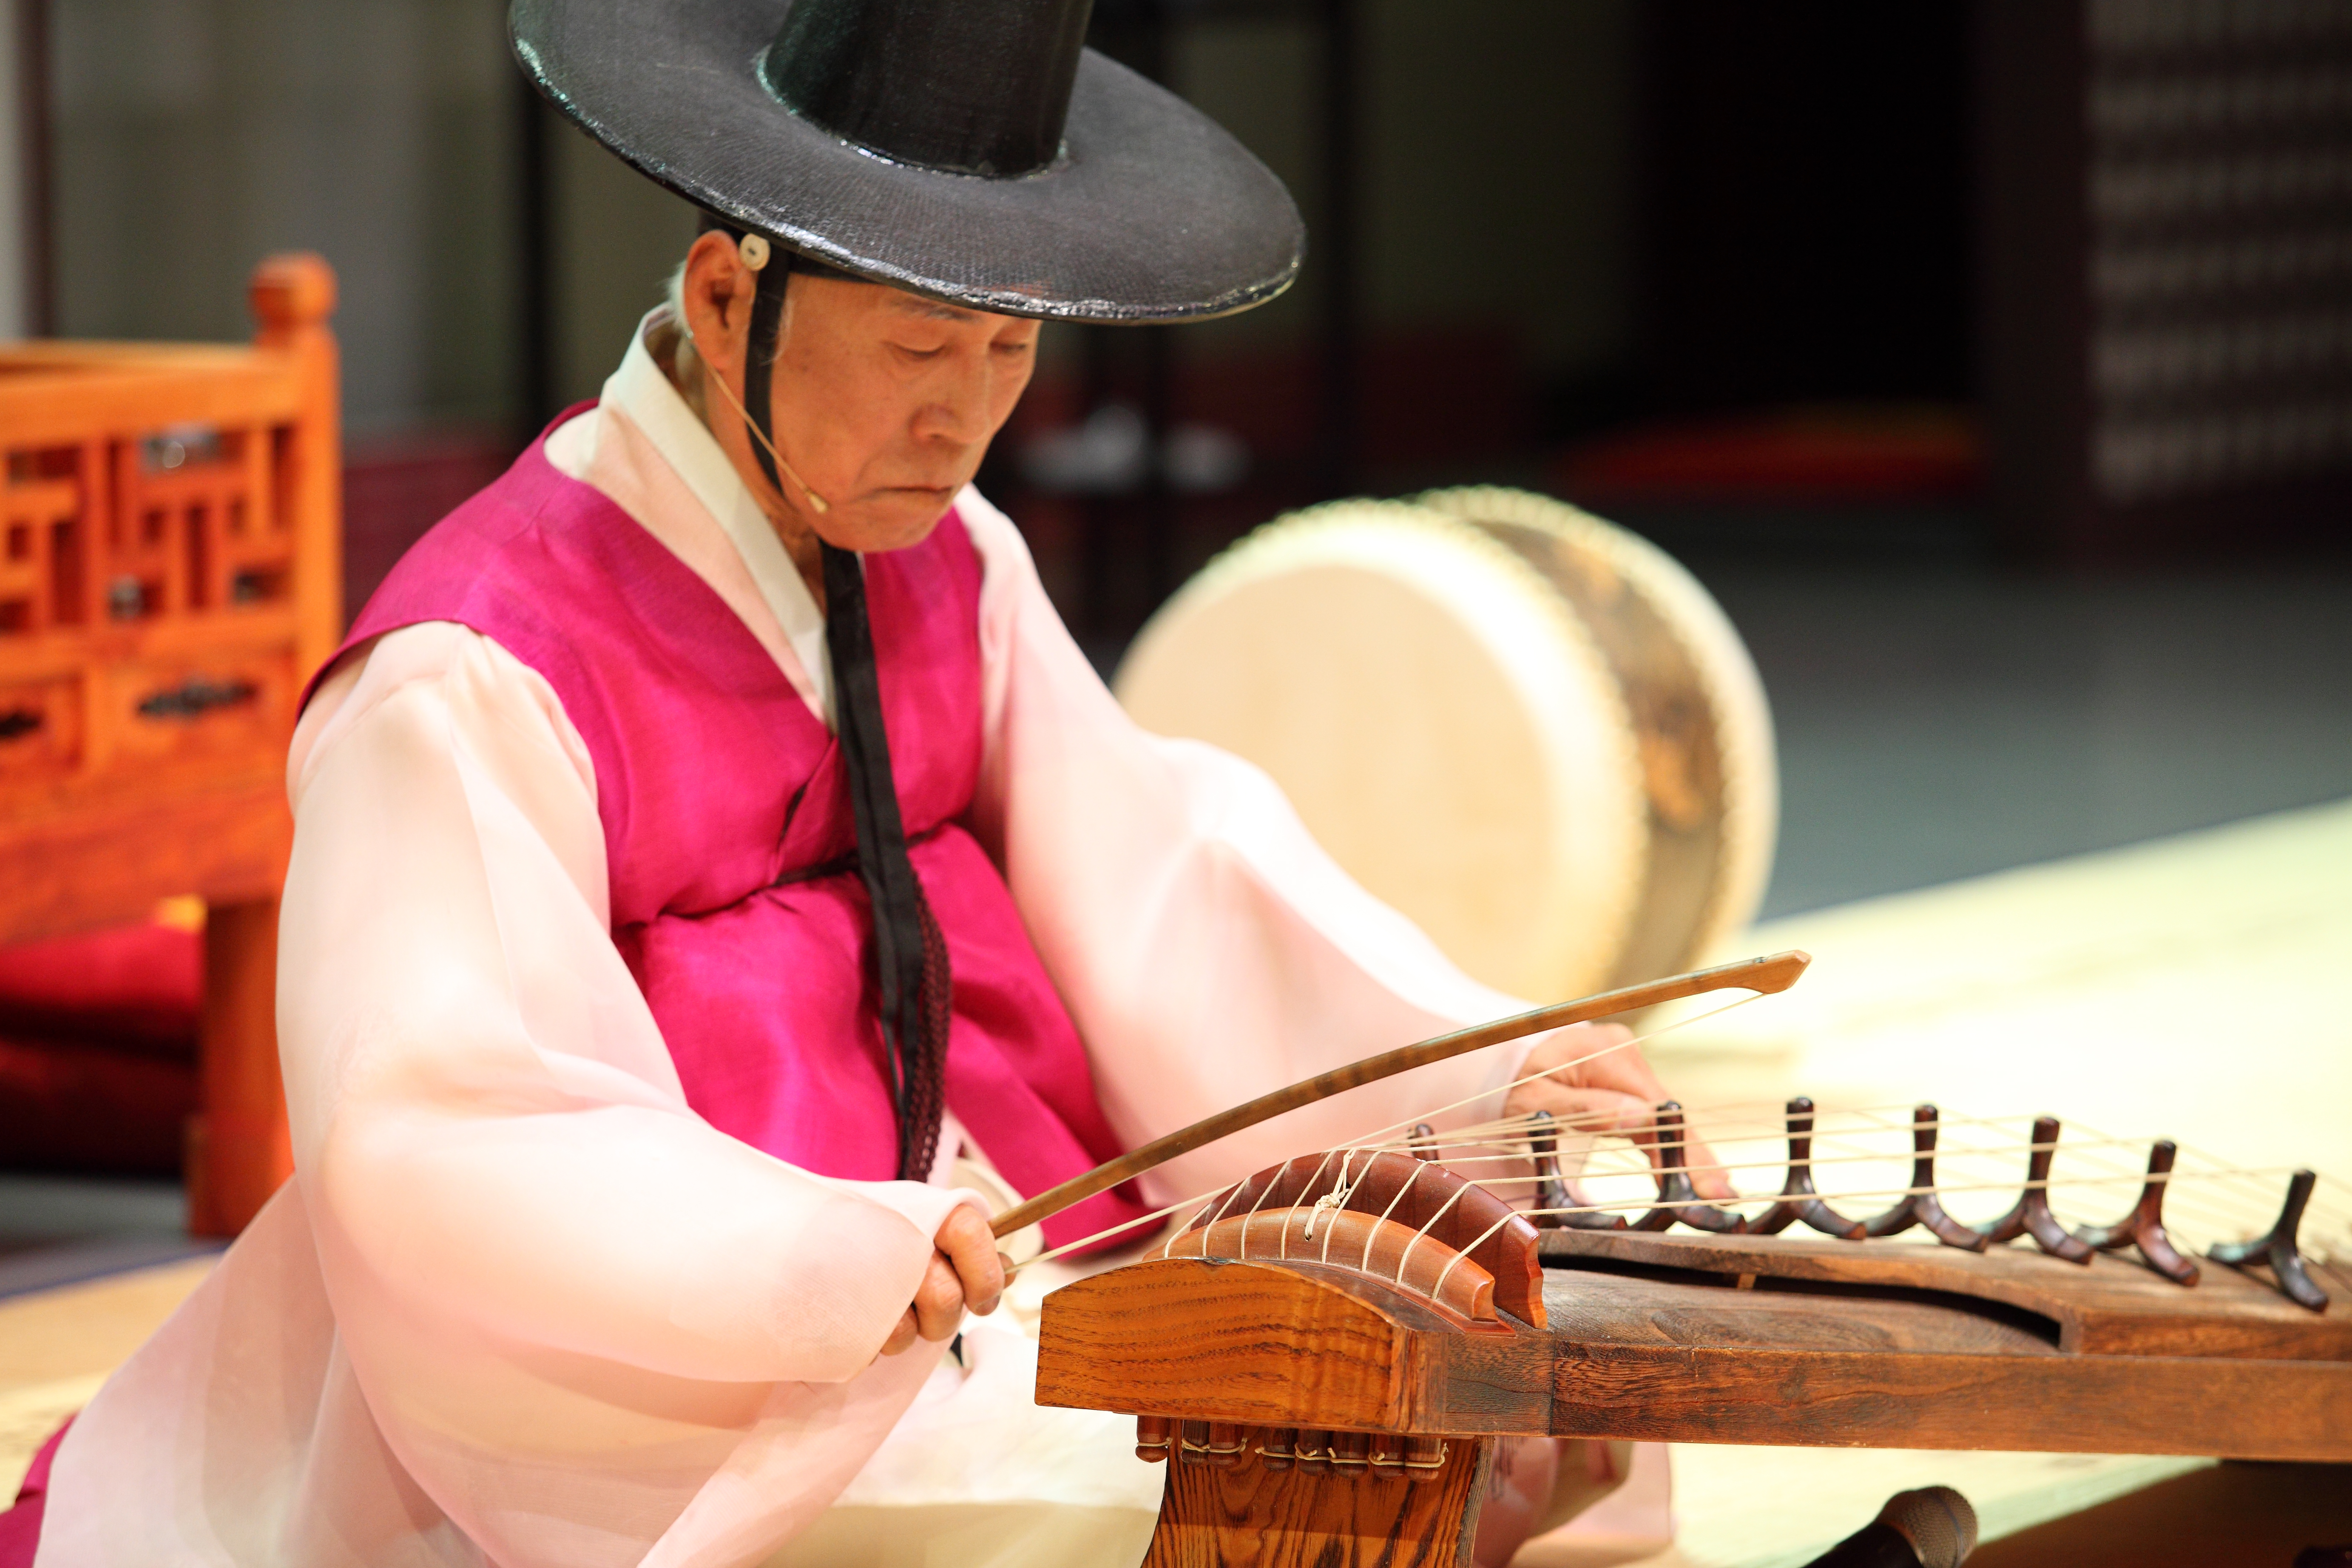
1248, 1516
238, 1150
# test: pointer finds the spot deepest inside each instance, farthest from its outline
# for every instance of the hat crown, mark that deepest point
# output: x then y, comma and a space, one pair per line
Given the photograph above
969, 87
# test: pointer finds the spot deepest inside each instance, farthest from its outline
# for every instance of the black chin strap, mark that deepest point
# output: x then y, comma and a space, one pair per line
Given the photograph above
910, 954
760, 353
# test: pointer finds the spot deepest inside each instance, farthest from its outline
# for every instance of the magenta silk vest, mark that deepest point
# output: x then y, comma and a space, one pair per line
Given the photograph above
735, 895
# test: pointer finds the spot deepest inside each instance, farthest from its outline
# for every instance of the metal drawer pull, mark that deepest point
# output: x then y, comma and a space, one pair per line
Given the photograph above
19, 722
195, 696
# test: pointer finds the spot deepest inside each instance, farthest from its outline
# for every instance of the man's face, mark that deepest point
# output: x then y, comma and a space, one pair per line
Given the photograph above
883, 402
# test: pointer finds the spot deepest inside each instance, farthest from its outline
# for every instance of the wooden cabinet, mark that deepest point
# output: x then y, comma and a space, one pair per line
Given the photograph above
170, 571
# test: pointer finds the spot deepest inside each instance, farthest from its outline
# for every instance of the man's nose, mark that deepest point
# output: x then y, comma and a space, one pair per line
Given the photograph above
958, 411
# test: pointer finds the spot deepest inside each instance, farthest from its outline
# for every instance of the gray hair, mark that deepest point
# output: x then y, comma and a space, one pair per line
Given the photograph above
686, 367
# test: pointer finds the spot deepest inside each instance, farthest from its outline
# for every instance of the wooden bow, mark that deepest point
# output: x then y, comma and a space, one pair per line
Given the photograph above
1764, 976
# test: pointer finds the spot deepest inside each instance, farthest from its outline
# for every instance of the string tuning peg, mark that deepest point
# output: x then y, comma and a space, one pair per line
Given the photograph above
1677, 1199
1800, 1200
2144, 1227
1552, 1191
2030, 1216
1424, 1141
1920, 1206
2279, 1248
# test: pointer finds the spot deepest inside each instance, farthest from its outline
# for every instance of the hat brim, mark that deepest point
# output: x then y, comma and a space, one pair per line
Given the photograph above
1154, 213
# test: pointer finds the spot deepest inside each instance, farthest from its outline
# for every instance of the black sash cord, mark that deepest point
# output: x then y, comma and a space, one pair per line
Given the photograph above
910, 953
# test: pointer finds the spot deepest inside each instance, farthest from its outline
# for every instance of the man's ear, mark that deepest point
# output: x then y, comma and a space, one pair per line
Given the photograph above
717, 295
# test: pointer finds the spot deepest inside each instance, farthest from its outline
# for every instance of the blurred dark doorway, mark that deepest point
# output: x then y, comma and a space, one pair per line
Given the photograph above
1805, 212
1802, 368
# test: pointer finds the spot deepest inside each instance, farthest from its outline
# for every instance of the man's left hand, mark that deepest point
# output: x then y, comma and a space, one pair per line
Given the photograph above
1615, 1094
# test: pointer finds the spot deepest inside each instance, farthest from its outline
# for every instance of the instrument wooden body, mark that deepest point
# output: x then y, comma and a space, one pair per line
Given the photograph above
1265, 1359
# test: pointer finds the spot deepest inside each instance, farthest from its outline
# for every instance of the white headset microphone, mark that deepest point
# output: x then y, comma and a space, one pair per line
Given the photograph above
753, 250
1931, 1527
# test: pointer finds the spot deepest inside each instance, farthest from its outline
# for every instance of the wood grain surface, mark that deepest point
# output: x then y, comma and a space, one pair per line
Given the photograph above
239, 1150
1251, 1517
171, 542
2116, 1306
1276, 1345
1665, 1360
1615, 1309
2088, 1405
1284, 1344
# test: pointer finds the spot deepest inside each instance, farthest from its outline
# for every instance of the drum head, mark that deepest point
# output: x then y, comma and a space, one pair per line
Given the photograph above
1444, 725
1710, 780
1526, 729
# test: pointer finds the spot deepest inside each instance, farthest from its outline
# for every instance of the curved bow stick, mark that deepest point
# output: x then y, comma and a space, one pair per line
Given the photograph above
1764, 976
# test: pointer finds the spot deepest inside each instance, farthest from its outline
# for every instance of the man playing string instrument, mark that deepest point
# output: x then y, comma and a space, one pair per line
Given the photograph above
714, 862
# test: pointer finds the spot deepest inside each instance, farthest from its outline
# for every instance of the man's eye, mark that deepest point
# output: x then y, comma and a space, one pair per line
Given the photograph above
911, 351
1014, 347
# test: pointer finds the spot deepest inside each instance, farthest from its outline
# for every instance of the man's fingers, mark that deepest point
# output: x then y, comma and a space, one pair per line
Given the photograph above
938, 1301
1570, 1055
1610, 1092
1709, 1178
969, 1247
1627, 1071
1580, 1109
964, 1270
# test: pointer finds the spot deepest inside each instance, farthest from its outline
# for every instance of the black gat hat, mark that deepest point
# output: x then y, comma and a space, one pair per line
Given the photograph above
972, 151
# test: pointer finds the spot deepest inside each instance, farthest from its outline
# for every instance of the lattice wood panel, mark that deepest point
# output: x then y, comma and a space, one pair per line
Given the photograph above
169, 572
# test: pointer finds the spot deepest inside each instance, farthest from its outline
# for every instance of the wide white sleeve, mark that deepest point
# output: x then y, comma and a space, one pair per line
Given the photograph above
1206, 946
488, 1132
520, 1304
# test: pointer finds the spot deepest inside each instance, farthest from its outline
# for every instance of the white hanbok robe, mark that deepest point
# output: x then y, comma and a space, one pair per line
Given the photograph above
520, 1304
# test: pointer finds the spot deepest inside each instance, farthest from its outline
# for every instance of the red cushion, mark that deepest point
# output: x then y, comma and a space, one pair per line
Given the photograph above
138, 988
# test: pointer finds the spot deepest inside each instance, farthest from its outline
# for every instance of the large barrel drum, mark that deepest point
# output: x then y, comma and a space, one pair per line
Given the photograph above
1528, 729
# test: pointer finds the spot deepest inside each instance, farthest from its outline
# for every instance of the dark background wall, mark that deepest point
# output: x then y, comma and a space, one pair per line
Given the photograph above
1805, 212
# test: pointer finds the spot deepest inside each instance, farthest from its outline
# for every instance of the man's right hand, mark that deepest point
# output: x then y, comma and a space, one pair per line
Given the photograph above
965, 1271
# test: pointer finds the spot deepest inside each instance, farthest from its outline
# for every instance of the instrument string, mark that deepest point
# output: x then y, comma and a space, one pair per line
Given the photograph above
2177, 1182
1814, 1161
1387, 1134
2202, 1193
1381, 1137
1259, 1202
1365, 1264
1374, 1139
1775, 1128
1119, 1229
1765, 1200
1331, 1202
1422, 1231
2244, 1205
1517, 1134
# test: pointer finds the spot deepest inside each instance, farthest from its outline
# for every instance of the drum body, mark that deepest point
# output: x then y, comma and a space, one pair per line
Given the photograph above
1526, 729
